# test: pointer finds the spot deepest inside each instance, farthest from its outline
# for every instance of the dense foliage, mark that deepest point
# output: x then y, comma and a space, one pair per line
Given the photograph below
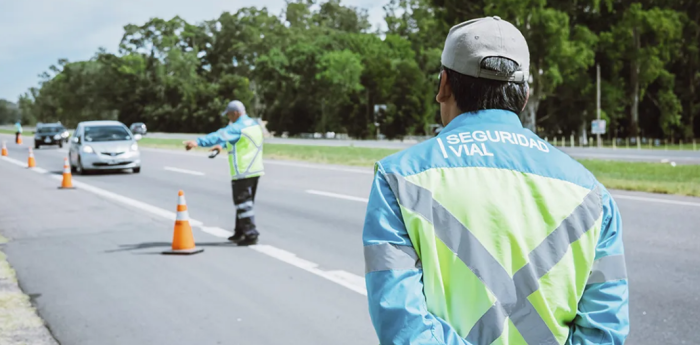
319, 67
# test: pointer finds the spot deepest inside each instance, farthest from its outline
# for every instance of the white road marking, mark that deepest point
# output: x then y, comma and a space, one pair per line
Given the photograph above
216, 231
184, 171
356, 283
337, 196
658, 200
342, 278
14, 161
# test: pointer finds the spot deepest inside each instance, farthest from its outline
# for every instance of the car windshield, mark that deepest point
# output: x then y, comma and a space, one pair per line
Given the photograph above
106, 133
49, 129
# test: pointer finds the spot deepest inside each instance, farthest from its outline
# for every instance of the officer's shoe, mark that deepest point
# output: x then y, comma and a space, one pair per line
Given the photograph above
236, 238
248, 240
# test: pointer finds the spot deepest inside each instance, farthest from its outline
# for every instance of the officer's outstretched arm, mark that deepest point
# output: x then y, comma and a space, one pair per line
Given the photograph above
229, 134
394, 278
603, 312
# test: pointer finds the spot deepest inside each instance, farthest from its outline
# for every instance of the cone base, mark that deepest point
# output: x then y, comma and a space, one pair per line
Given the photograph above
66, 187
183, 251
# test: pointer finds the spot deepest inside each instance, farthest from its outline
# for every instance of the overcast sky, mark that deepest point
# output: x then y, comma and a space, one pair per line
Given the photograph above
34, 34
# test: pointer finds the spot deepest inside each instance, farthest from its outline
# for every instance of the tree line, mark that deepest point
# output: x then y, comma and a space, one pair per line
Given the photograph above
319, 67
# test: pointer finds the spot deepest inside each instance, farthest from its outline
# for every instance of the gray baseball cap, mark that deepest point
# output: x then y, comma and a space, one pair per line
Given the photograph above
234, 106
470, 42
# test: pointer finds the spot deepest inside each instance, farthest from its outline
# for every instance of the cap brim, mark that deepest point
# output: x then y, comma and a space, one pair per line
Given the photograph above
224, 113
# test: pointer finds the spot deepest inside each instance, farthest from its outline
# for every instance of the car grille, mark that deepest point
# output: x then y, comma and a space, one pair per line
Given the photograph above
111, 154
102, 164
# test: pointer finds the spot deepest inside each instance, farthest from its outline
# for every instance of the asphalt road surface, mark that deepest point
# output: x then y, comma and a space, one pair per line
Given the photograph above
90, 257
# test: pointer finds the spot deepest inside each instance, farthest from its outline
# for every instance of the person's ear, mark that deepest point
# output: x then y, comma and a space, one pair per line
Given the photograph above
527, 98
445, 91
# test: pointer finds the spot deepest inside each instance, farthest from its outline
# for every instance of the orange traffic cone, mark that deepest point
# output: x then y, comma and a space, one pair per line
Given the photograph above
31, 163
4, 148
67, 177
19, 139
183, 241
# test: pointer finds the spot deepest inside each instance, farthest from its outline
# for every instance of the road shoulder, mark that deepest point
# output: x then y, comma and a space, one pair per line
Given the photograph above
19, 322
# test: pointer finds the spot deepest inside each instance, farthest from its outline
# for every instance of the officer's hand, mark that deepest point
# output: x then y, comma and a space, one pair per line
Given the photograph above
189, 144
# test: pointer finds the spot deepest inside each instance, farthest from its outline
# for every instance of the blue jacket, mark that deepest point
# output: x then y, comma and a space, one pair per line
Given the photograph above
229, 134
397, 303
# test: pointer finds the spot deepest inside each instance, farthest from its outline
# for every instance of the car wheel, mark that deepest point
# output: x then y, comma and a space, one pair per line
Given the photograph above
79, 169
136, 170
36, 146
60, 144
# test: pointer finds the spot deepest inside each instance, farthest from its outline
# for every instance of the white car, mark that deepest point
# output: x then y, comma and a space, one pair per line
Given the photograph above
104, 145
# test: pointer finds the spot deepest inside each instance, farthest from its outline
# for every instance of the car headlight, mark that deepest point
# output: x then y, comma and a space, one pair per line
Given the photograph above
134, 147
65, 134
57, 137
88, 149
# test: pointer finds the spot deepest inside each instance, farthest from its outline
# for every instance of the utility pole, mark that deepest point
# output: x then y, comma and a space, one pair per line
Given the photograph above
597, 67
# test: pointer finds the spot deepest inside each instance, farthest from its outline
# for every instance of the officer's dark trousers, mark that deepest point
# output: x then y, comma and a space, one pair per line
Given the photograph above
244, 197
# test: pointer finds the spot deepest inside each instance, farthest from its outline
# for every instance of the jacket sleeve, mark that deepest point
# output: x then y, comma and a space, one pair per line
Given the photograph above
228, 134
394, 276
603, 311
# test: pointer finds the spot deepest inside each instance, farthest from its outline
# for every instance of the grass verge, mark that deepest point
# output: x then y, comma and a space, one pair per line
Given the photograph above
12, 131
645, 177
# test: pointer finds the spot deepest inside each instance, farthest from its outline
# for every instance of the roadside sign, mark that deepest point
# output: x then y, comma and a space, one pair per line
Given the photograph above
378, 107
598, 126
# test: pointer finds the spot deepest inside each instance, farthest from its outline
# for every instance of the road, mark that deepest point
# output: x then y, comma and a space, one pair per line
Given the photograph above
90, 256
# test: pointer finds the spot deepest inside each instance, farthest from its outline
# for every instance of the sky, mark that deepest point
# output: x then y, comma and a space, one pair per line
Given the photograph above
34, 34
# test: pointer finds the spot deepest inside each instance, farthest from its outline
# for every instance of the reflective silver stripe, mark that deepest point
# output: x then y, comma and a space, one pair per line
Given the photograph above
241, 176
546, 255
387, 256
607, 269
257, 152
489, 326
244, 205
246, 214
511, 293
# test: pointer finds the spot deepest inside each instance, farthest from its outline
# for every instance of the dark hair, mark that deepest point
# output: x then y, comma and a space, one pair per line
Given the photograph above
474, 94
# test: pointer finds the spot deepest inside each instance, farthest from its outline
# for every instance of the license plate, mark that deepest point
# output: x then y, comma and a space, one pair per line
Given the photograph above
48, 140
113, 162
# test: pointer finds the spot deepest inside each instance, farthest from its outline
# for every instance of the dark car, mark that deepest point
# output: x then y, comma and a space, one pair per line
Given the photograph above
138, 128
50, 134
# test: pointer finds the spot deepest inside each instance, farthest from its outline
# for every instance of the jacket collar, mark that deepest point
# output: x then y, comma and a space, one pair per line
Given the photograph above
240, 119
493, 116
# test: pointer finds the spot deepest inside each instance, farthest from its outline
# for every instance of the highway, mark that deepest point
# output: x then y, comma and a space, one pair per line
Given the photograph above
90, 257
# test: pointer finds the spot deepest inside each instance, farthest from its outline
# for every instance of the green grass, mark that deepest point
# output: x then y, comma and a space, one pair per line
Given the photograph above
12, 131
670, 147
355, 156
646, 177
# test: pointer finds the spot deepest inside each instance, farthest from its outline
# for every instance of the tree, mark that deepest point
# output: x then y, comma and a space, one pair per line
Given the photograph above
644, 42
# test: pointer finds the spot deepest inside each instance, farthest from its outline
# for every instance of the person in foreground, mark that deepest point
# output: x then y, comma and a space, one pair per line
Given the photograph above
243, 139
486, 234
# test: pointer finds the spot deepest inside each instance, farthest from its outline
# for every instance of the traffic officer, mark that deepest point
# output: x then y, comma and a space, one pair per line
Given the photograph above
18, 131
243, 139
486, 233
